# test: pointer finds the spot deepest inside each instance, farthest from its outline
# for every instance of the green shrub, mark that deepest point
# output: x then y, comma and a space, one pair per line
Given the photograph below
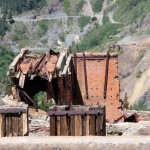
19, 33
62, 36
140, 105
79, 6
83, 21
141, 55
3, 27
125, 102
42, 102
26, 42
18, 6
6, 57
139, 74
72, 8
129, 11
97, 36
67, 6
97, 5
42, 27
93, 19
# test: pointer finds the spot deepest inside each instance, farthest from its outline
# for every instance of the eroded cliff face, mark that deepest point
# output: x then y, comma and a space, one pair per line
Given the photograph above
134, 72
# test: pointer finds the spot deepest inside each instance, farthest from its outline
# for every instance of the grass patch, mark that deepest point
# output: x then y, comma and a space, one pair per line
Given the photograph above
19, 33
79, 6
25, 43
83, 21
42, 27
18, 6
62, 36
73, 8
97, 5
97, 37
131, 11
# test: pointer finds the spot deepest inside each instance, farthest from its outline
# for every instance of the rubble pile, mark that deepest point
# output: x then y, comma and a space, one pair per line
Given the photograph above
38, 123
128, 129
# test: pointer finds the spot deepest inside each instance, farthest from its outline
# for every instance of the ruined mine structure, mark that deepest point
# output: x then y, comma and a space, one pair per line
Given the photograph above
82, 78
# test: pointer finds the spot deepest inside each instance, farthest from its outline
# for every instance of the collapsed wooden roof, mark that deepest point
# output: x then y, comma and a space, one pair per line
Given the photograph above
33, 65
47, 65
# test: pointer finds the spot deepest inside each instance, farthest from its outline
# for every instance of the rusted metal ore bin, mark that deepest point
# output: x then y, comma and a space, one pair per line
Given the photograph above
77, 120
13, 121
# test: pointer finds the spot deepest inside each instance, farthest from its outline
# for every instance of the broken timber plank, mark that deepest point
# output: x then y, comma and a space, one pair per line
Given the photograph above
25, 124
67, 65
22, 80
17, 60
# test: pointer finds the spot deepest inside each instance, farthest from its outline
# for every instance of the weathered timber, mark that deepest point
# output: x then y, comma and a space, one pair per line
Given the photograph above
85, 76
106, 75
16, 61
15, 122
38, 63
52, 125
1, 126
77, 120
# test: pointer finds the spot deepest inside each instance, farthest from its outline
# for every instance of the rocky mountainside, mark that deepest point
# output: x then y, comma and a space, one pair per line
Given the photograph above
92, 25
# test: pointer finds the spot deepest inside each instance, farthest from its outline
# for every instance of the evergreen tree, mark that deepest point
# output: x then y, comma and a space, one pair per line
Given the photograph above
125, 102
9, 15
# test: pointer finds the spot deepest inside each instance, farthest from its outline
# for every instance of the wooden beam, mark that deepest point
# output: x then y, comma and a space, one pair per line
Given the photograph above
106, 76
92, 125
25, 123
75, 63
53, 125
63, 123
1, 126
85, 76
78, 125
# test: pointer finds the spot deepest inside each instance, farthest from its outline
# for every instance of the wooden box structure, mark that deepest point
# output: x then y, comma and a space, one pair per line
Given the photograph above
13, 121
83, 78
77, 120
